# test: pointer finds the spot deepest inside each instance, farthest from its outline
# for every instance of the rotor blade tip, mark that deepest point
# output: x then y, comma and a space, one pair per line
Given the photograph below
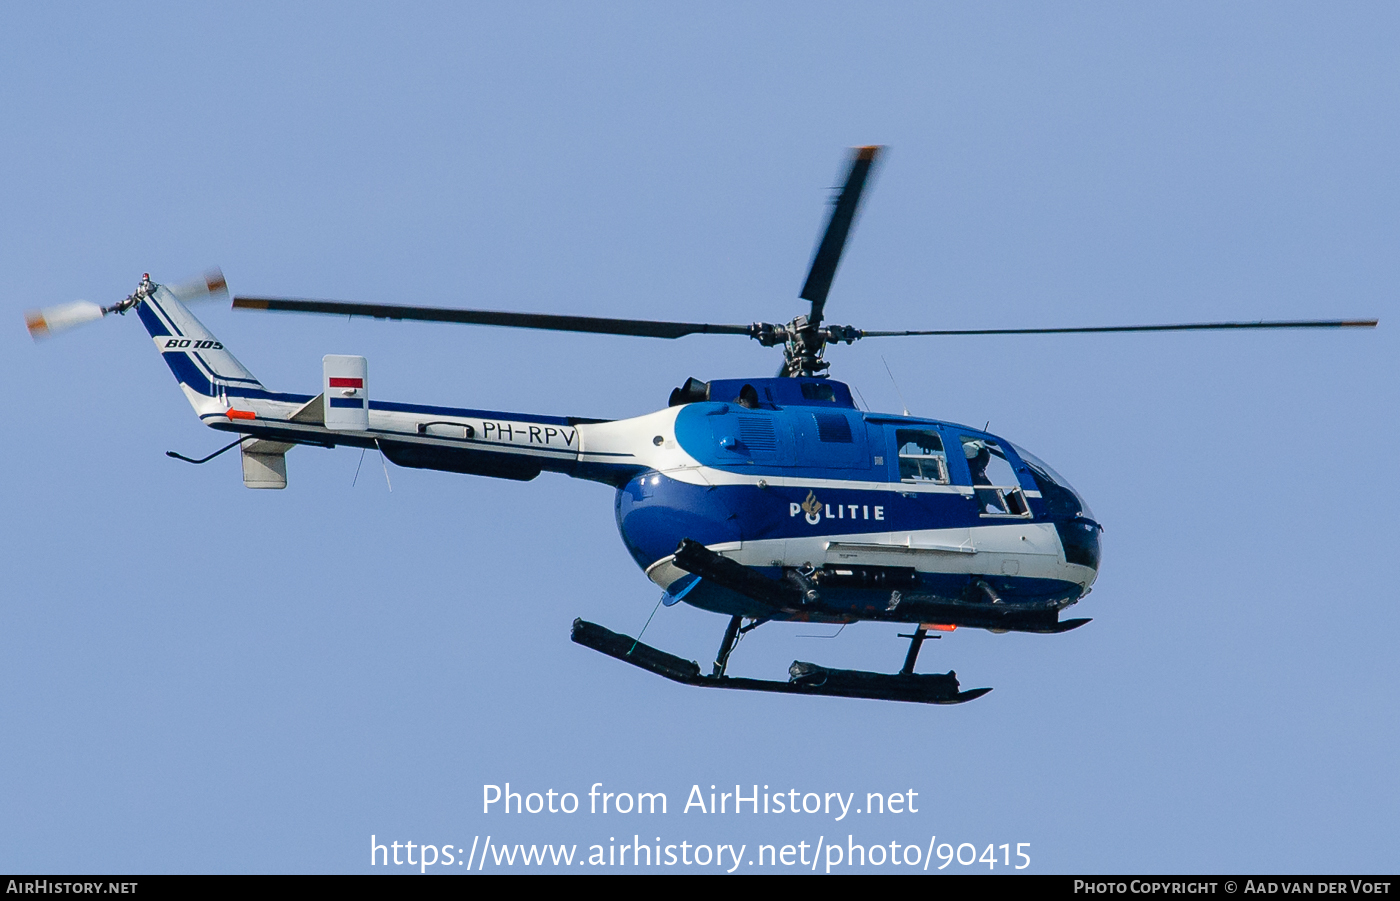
214, 281
249, 303
34, 321
868, 152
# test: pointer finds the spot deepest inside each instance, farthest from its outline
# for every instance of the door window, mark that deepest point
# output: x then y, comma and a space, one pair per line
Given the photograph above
994, 482
921, 457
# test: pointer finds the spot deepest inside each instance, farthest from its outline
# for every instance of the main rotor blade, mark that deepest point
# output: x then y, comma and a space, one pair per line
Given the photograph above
639, 327
838, 227
1181, 327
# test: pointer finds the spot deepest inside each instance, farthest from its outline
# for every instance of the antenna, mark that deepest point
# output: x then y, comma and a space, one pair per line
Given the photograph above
896, 385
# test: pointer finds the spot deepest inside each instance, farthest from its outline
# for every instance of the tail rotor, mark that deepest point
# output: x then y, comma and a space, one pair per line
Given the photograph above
49, 321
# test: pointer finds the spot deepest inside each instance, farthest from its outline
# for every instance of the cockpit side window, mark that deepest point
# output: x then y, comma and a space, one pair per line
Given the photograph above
921, 457
1059, 497
994, 482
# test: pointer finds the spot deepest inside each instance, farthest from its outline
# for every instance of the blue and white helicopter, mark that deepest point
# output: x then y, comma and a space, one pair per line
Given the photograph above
766, 499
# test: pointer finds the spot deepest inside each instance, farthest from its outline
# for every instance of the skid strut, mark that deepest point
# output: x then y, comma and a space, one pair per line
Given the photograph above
731, 638
803, 678
916, 641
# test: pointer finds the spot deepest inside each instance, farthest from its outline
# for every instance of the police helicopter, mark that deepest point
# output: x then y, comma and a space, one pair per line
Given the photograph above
771, 499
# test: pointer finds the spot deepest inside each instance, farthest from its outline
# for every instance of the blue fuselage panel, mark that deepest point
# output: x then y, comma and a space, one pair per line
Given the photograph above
817, 473
655, 512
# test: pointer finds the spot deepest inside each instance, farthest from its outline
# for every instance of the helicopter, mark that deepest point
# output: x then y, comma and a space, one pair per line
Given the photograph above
766, 500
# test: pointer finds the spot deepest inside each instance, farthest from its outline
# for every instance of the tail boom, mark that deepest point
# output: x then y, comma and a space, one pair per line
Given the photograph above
229, 398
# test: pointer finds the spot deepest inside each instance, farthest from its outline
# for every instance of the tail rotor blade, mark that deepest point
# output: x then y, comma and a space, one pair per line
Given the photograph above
209, 285
52, 320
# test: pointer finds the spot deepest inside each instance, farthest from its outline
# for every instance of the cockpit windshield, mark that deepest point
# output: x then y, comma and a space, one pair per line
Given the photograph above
1059, 497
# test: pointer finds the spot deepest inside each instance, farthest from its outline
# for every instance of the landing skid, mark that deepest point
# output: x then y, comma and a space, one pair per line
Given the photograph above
804, 678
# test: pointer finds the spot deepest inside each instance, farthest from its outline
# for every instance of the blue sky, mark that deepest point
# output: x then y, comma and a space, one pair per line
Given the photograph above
197, 677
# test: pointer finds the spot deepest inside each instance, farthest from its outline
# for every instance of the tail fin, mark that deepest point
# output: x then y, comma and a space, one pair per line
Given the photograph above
206, 371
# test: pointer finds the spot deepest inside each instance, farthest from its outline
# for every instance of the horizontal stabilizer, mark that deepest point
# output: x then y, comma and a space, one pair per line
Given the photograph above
313, 412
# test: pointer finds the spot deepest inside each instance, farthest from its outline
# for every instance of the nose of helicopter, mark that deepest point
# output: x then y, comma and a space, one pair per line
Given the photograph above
1082, 548
1066, 508
1080, 538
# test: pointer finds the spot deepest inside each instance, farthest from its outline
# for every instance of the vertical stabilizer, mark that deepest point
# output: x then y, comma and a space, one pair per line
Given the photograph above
200, 362
345, 386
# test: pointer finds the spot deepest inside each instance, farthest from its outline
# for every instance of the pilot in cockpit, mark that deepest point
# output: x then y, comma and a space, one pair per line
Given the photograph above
977, 459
